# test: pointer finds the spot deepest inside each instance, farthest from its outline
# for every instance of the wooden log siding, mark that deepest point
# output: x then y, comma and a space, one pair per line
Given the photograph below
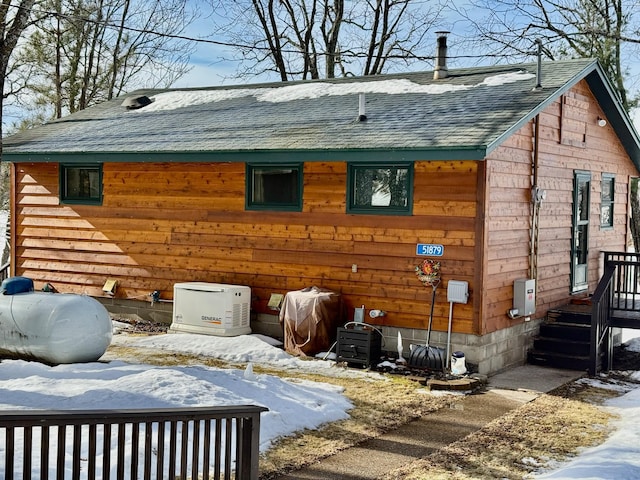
165, 223
508, 191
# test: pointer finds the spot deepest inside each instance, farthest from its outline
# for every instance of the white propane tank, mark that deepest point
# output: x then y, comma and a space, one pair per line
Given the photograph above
54, 328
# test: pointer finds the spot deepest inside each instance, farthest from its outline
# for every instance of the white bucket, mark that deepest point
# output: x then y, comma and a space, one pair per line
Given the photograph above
458, 365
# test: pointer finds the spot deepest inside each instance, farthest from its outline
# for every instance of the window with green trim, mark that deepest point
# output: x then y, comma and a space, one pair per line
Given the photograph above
606, 200
274, 187
380, 188
81, 184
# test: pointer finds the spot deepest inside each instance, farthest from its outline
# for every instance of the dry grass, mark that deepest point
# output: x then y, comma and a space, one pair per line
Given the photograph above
550, 428
379, 406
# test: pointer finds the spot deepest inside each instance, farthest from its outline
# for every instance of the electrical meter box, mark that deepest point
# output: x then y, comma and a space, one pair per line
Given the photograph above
211, 309
524, 296
457, 291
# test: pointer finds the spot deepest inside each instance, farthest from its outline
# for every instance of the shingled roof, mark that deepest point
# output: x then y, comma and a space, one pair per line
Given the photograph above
408, 116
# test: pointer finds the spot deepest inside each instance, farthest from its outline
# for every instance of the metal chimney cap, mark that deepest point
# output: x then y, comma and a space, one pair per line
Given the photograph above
440, 70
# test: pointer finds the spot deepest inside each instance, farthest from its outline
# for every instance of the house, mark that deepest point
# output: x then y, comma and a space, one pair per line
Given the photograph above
505, 173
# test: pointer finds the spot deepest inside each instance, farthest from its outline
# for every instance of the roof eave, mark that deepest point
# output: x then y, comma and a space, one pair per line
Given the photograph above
618, 117
554, 94
606, 95
445, 153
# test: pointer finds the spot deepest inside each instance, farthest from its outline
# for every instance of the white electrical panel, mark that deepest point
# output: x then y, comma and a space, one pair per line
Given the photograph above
211, 309
524, 296
457, 291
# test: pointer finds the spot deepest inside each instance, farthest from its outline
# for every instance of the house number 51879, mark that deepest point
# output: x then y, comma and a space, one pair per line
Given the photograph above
429, 249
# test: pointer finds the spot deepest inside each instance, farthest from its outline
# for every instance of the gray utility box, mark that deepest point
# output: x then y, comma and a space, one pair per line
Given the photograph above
524, 296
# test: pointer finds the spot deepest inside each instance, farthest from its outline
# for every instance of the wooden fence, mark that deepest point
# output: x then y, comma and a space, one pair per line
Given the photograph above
176, 443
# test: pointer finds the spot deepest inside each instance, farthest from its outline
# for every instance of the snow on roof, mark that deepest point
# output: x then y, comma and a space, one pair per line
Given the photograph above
465, 115
185, 98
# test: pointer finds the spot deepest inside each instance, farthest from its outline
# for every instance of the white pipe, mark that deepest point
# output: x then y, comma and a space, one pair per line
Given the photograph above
362, 113
448, 360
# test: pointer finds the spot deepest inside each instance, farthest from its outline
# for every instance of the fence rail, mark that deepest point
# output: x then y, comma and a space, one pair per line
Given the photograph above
615, 303
175, 443
4, 271
626, 283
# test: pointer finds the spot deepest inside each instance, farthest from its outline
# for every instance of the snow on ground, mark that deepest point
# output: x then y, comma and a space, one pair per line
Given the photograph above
4, 216
619, 456
293, 404
240, 350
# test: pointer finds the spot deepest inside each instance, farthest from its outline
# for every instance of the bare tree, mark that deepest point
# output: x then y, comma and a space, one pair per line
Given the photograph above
14, 20
600, 29
301, 39
85, 52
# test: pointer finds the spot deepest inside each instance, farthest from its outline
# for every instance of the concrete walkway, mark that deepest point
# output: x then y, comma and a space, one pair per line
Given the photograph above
374, 458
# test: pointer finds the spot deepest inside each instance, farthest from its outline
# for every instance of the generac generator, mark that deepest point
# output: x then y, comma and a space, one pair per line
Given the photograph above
211, 309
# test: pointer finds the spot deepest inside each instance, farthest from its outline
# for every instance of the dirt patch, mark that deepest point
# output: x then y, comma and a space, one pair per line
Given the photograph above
136, 324
625, 359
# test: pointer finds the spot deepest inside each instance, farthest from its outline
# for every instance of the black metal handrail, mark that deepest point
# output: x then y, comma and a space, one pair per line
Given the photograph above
617, 293
601, 302
626, 285
198, 443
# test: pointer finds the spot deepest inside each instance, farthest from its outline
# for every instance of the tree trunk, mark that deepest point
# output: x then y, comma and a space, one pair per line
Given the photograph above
11, 32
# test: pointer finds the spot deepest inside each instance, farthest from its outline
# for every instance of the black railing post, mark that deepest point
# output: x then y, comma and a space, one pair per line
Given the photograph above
600, 315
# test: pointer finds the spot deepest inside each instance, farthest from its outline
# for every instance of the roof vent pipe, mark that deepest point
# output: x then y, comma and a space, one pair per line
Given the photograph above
539, 71
362, 116
441, 70
133, 103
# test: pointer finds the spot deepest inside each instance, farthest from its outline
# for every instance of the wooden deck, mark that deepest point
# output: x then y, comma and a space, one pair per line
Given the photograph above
626, 318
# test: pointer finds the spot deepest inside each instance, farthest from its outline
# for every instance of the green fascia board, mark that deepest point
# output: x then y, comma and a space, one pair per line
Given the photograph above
606, 95
264, 156
555, 93
618, 117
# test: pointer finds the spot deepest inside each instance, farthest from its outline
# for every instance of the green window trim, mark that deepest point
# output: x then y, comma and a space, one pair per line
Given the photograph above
607, 200
81, 184
275, 187
581, 234
371, 189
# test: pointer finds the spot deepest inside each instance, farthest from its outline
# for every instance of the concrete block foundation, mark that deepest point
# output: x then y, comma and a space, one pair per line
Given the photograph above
490, 353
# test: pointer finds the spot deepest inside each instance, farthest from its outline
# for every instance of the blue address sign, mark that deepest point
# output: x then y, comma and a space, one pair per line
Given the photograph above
429, 249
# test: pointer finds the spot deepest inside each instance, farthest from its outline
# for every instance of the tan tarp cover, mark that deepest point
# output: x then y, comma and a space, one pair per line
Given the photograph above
310, 319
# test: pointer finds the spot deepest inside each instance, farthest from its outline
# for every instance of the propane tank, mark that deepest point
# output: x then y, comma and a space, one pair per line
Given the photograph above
53, 328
